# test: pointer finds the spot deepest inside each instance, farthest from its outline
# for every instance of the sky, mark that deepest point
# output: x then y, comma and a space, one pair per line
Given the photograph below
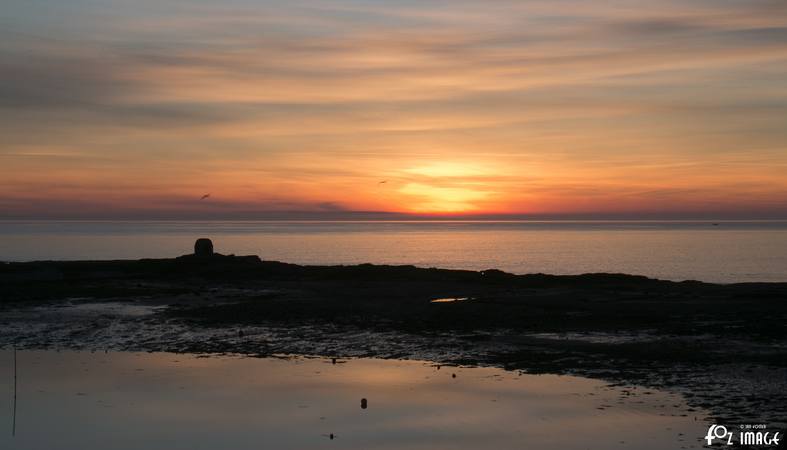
334, 108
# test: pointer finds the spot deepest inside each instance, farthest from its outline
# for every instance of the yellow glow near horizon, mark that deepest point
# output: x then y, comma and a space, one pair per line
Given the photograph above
431, 199
447, 187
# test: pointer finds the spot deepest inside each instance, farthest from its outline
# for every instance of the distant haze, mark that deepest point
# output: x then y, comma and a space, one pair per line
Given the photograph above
368, 109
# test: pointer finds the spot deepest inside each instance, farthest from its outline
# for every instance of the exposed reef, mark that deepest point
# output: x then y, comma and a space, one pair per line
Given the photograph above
723, 346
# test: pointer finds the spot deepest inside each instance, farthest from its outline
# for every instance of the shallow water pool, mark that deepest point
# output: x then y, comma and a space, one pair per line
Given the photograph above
86, 401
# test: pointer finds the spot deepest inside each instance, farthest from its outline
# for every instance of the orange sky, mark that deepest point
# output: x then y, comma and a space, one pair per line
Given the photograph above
550, 107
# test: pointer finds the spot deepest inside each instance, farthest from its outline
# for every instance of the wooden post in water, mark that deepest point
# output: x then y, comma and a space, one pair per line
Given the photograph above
13, 426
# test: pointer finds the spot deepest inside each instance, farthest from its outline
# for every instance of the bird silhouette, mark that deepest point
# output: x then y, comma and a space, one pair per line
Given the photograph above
204, 196
383, 182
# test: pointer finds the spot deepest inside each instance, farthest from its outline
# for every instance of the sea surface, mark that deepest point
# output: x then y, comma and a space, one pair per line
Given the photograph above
95, 401
727, 252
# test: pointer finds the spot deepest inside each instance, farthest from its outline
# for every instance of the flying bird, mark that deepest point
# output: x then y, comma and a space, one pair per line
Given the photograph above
383, 182
204, 196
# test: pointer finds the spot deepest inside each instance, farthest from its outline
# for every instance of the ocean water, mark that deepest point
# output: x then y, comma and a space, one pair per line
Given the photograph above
95, 401
727, 252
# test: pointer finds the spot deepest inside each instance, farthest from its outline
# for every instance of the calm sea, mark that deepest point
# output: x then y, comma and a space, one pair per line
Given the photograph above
677, 250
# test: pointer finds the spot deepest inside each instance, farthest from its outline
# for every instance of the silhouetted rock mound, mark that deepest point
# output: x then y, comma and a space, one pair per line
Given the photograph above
204, 262
203, 247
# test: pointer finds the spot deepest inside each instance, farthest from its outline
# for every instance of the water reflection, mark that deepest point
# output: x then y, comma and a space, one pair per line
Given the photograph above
85, 401
450, 299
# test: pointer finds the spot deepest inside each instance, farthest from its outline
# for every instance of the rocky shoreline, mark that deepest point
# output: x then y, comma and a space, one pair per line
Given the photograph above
724, 347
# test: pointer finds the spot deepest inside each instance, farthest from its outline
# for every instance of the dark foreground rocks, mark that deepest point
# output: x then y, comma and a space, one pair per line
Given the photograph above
723, 346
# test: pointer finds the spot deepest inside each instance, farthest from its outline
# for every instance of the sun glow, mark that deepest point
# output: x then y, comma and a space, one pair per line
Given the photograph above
446, 187
432, 199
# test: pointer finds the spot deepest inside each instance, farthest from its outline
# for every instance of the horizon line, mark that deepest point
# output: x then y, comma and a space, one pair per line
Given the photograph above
380, 216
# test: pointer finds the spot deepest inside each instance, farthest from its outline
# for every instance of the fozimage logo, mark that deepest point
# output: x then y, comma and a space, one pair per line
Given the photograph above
747, 435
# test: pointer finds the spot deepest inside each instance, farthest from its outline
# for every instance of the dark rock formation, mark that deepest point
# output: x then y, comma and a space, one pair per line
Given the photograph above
203, 247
